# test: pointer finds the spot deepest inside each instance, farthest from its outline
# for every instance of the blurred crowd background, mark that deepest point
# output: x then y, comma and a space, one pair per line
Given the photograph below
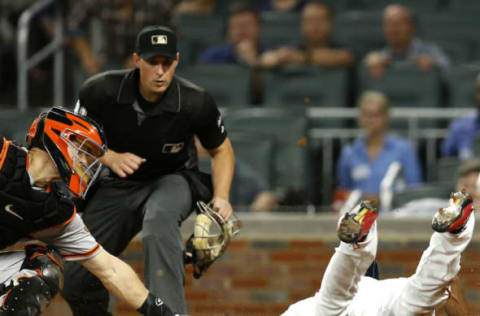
325, 101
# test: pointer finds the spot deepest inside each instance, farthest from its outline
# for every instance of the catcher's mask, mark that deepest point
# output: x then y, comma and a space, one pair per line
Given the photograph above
74, 143
211, 236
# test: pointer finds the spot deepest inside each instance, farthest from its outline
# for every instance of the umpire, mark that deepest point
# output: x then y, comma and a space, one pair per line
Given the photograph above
150, 117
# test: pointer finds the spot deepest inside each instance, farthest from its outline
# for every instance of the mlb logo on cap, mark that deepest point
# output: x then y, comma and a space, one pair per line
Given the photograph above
159, 39
156, 40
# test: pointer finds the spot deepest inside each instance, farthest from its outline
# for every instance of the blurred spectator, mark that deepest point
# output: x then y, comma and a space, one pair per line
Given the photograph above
364, 163
281, 5
402, 46
318, 47
196, 7
119, 22
462, 131
242, 35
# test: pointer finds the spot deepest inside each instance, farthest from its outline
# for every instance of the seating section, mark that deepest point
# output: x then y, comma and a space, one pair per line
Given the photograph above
302, 116
405, 85
228, 84
306, 86
269, 137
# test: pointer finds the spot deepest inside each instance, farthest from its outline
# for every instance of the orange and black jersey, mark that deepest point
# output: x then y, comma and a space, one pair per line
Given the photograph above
160, 132
24, 210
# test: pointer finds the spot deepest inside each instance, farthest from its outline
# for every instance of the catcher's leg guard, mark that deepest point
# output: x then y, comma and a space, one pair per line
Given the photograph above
29, 297
38, 281
48, 264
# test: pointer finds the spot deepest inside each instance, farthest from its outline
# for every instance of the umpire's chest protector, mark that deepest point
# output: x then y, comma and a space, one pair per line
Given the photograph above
24, 210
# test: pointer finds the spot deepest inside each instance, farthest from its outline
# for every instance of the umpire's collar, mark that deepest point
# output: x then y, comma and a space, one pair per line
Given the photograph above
170, 101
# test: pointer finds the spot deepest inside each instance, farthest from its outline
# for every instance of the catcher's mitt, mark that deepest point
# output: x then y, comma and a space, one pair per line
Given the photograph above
211, 236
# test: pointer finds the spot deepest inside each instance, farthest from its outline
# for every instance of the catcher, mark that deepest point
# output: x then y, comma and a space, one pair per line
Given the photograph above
63, 152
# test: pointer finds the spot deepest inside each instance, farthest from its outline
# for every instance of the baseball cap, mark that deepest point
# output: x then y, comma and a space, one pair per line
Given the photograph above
156, 40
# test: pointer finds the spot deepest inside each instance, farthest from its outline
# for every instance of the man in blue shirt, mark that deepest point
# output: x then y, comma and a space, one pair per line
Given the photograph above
243, 34
462, 131
363, 164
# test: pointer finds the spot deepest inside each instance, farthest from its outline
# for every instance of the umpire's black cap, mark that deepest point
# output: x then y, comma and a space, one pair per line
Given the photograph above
156, 40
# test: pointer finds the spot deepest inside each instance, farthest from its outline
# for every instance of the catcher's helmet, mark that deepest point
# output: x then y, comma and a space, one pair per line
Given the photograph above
74, 142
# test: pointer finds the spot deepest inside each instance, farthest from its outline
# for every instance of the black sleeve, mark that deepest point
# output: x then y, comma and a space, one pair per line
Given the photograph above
208, 124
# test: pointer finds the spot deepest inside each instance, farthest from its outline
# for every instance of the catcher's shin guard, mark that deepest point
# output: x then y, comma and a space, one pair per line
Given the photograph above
39, 280
48, 264
29, 297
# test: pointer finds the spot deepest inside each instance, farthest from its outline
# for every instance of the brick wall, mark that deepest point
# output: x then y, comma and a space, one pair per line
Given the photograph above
263, 271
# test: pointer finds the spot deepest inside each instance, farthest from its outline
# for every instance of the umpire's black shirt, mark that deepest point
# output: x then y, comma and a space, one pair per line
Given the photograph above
161, 132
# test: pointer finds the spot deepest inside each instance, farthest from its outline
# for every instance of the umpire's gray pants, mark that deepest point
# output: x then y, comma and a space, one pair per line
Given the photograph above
114, 214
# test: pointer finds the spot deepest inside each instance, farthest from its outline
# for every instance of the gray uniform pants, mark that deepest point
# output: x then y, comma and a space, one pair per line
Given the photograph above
115, 213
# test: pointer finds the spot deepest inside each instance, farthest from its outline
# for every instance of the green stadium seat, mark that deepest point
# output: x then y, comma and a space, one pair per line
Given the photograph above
344, 5
255, 155
476, 146
14, 123
446, 170
228, 84
458, 51
187, 52
439, 190
462, 84
415, 5
201, 32
405, 85
289, 132
280, 29
256, 152
307, 86
360, 31
470, 5
458, 26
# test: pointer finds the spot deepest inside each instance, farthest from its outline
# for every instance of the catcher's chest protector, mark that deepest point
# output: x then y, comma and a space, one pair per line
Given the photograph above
24, 210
